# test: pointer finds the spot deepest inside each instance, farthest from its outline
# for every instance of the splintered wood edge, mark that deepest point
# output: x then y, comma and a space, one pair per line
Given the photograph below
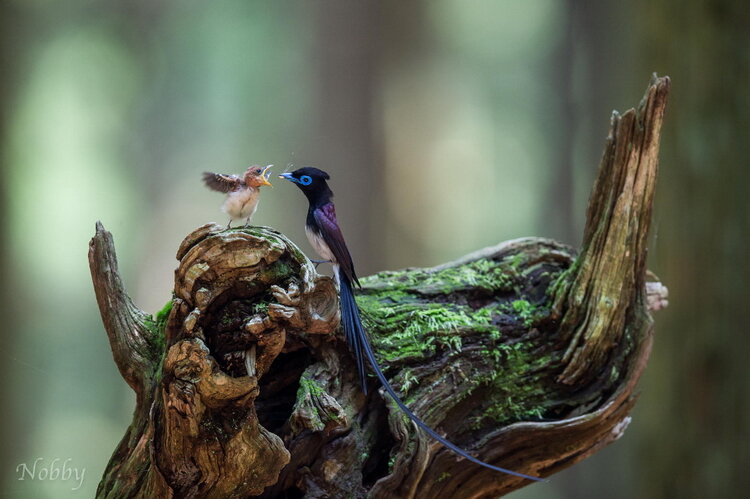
129, 338
610, 272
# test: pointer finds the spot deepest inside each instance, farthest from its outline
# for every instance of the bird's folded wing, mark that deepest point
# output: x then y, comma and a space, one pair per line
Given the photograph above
221, 182
325, 216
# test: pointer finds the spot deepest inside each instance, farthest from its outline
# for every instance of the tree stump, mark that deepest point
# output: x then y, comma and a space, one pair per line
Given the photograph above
525, 354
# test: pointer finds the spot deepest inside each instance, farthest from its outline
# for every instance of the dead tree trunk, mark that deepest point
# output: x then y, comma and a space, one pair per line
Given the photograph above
523, 353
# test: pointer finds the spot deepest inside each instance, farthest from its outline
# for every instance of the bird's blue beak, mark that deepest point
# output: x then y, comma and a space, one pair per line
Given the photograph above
287, 176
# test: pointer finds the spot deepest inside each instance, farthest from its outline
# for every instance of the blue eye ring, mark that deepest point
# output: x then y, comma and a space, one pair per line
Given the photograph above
305, 180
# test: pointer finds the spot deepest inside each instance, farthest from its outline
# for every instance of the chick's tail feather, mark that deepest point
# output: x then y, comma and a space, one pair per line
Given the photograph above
356, 338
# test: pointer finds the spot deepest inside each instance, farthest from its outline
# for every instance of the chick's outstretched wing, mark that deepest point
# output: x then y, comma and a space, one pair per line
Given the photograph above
221, 182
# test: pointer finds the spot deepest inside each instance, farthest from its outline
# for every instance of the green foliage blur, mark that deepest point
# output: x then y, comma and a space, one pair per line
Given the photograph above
446, 125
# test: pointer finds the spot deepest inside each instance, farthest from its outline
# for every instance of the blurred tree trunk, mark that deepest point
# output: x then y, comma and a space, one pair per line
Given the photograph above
699, 397
588, 73
10, 43
346, 55
558, 216
357, 44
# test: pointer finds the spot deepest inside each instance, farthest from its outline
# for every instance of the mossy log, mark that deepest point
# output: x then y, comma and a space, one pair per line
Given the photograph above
525, 354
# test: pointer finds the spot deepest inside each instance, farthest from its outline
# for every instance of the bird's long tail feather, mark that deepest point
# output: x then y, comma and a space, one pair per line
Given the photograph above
353, 329
356, 337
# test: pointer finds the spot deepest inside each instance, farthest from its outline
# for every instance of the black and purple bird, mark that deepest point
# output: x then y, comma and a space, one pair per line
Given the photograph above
325, 236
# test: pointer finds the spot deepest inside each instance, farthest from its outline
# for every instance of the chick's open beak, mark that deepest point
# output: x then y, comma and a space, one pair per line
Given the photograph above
265, 175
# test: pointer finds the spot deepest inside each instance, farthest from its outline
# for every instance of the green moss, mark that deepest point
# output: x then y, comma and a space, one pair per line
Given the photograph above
297, 254
309, 385
404, 325
562, 282
408, 380
409, 320
454, 343
483, 274
163, 314
260, 308
516, 260
308, 390
279, 271
278, 239
516, 391
524, 310
413, 329
156, 325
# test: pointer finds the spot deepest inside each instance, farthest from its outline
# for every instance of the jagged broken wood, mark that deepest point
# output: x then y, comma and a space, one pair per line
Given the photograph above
524, 353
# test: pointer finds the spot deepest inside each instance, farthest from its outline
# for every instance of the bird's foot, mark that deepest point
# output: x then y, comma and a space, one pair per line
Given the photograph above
247, 223
318, 262
229, 224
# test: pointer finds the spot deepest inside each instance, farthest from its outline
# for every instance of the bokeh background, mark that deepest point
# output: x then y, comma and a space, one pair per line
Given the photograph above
447, 125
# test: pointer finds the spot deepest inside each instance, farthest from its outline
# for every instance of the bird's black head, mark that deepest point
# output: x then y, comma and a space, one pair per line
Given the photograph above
312, 182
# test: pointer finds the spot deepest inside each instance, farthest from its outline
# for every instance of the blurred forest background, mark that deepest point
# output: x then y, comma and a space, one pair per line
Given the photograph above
447, 126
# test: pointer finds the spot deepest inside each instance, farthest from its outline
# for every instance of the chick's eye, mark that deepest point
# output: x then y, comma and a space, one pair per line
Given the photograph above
305, 180
258, 171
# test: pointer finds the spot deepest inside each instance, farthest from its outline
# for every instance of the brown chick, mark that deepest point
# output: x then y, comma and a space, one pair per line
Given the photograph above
243, 193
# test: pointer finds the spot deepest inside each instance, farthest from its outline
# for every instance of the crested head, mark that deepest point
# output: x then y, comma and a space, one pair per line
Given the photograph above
256, 176
311, 181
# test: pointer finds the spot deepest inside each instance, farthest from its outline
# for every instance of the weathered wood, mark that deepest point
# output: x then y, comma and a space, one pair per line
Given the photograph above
610, 275
524, 353
132, 342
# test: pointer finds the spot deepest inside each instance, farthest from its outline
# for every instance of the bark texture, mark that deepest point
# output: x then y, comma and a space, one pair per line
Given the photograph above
525, 354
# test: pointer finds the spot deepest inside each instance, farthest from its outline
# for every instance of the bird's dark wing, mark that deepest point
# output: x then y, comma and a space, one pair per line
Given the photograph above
221, 182
325, 217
